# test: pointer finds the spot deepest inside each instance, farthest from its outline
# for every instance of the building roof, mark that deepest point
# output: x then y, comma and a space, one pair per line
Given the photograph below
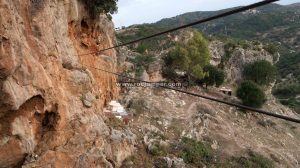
226, 89
117, 108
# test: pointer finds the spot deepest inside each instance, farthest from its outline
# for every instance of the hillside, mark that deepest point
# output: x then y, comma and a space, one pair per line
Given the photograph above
177, 130
273, 24
60, 108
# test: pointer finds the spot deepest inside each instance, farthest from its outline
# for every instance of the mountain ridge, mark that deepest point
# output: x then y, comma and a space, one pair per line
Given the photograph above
272, 23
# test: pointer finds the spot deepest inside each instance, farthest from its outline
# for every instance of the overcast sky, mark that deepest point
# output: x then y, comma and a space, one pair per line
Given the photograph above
149, 11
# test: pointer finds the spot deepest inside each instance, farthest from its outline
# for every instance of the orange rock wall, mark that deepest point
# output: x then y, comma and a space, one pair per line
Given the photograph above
51, 99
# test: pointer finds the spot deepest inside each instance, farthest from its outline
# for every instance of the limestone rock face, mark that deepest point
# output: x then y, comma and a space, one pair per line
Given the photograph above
43, 75
217, 52
238, 58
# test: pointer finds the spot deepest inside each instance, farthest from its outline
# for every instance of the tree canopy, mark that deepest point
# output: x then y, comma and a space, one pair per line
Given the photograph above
101, 6
261, 72
214, 76
251, 94
190, 58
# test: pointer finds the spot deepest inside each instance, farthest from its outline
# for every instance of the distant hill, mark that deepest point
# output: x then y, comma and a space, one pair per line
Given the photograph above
295, 5
274, 23
271, 23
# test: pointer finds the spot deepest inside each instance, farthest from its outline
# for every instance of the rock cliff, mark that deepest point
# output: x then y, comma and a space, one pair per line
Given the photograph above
51, 97
234, 58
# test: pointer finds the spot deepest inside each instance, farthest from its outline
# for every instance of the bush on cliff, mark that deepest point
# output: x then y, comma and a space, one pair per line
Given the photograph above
96, 7
261, 72
214, 76
251, 94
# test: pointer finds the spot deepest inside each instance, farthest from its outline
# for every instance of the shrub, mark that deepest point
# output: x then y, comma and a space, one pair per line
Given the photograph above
194, 152
229, 47
169, 73
214, 76
156, 150
101, 6
261, 72
254, 161
251, 94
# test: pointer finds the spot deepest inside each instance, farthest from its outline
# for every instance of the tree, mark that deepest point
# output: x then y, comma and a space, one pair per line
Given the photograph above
251, 94
96, 7
190, 57
214, 76
178, 58
261, 72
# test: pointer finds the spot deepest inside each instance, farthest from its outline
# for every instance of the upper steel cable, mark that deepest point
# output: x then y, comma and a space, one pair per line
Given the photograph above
258, 4
231, 12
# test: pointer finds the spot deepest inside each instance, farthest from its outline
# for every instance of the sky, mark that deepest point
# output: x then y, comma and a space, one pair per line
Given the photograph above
148, 11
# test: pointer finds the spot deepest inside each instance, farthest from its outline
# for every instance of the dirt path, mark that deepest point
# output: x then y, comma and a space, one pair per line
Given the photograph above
188, 113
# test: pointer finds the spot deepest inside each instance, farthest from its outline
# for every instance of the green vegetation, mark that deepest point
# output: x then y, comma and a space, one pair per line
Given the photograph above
273, 23
157, 150
289, 64
141, 49
214, 76
96, 7
139, 70
232, 43
293, 103
255, 25
252, 161
141, 63
195, 152
190, 58
287, 94
261, 72
287, 91
251, 94
271, 48
143, 60
153, 44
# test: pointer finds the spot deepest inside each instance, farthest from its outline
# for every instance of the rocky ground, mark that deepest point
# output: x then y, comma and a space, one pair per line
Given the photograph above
164, 117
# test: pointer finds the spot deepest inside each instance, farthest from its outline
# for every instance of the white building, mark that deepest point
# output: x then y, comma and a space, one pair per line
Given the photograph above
115, 109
